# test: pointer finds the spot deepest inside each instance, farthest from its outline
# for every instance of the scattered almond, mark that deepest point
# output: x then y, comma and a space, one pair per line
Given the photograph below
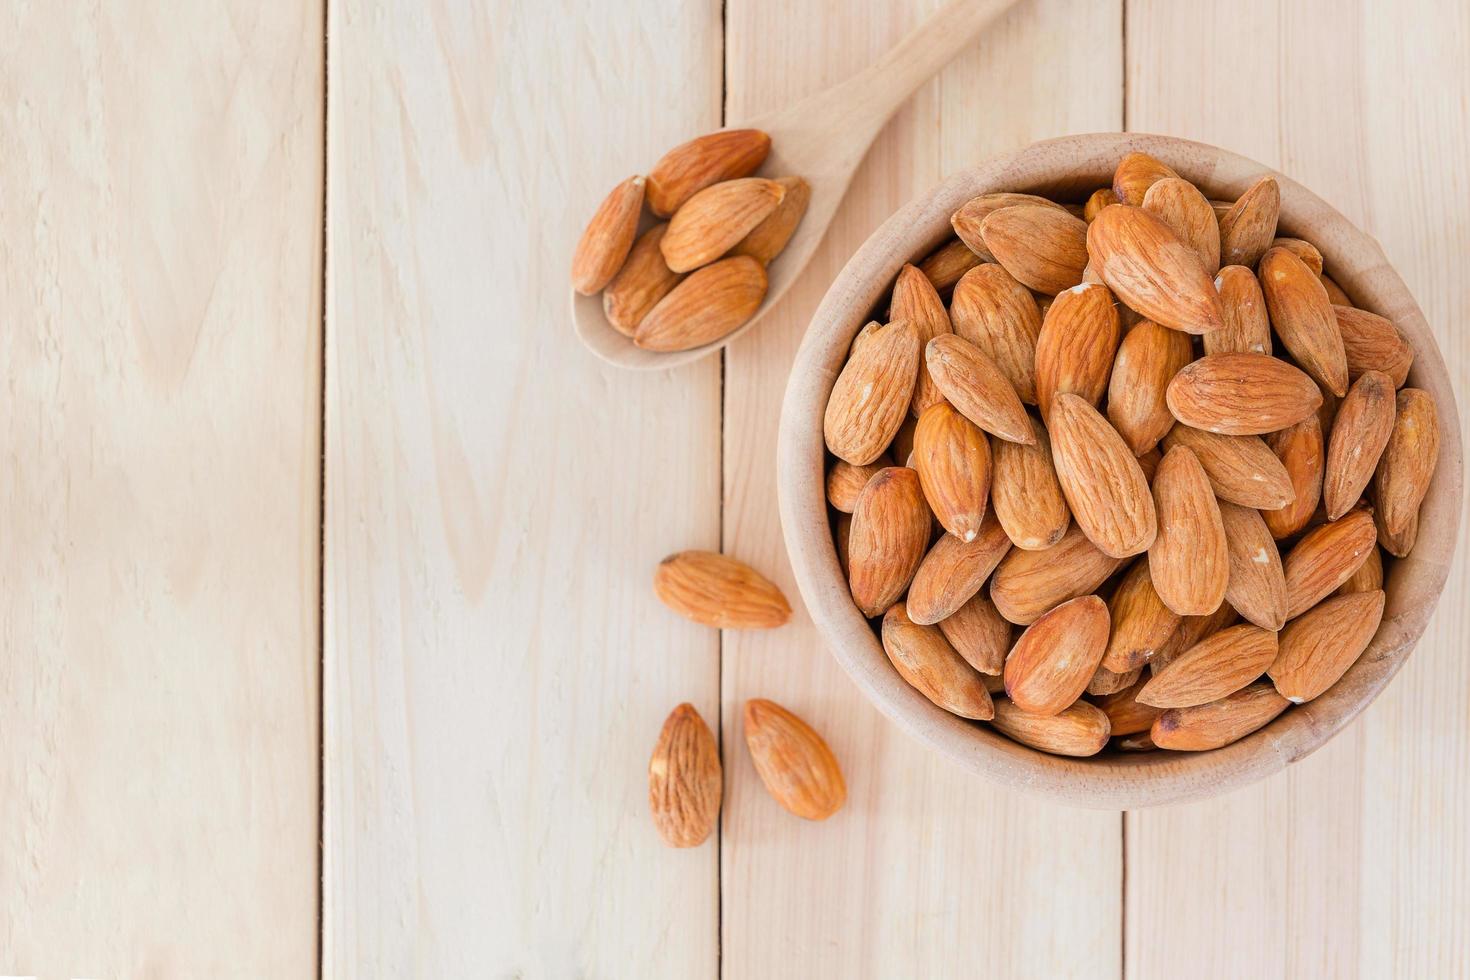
1136, 173
947, 264
1141, 622
968, 219
1126, 714
685, 779
719, 591
796, 766
845, 481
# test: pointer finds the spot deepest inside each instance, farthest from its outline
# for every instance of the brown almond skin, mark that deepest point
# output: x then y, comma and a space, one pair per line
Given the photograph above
1368, 577
769, 238
685, 780
1080, 730
1318, 647
1188, 561
1025, 494
1360, 431
1152, 271
1126, 714
1241, 469
1149, 463
968, 219
845, 481
1257, 586
1242, 394
1135, 174
1045, 249
1248, 227
608, 237
841, 536
1247, 327
1053, 661
1326, 557
714, 220
1147, 361
1303, 250
999, 316
1191, 630
1302, 454
795, 764
1217, 724
947, 264
719, 591
1103, 484
1078, 341
690, 167
1302, 315
890, 533
902, 446
1212, 669
924, 658
1399, 543
643, 280
1181, 206
953, 571
871, 397
973, 384
1098, 200
915, 300
1028, 583
1334, 291
1409, 458
952, 456
1140, 620
1372, 343
1106, 682
709, 304
979, 634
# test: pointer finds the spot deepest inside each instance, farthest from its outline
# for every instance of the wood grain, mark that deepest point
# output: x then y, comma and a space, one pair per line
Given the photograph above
497, 667
160, 248
874, 891
1347, 863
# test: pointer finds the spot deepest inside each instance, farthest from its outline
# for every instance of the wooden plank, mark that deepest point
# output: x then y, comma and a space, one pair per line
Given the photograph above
497, 668
895, 884
160, 249
1354, 861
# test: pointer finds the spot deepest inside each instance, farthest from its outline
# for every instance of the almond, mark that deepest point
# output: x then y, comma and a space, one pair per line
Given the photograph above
1103, 484
1303, 250
1191, 630
974, 385
685, 779
845, 481
1368, 577
1257, 586
1188, 560
1152, 271
1241, 469
1148, 359
1217, 724
705, 160
1246, 230
719, 591
952, 456
1078, 341
715, 219
1334, 291
979, 634
1372, 343
1397, 543
1212, 669
841, 536
915, 300
1098, 200
1136, 173
1318, 647
1028, 583
1025, 493
902, 446
1302, 315
1080, 730
643, 280
890, 532
1149, 463
1408, 461
608, 237
1247, 327
1324, 558
954, 570
1126, 714
1359, 433
947, 264
998, 315
1299, 448
1105, 682
796, 766
1181, 206
968, 219
769, 238
871, 397
710, 303
1141, 621
1052, 662
924, 658
1044, 248
1241, 394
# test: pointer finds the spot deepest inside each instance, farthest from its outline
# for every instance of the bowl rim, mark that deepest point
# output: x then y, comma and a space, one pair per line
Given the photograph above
1071, 165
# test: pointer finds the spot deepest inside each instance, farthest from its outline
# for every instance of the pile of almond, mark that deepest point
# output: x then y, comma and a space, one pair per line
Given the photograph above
1132, 474
698, 271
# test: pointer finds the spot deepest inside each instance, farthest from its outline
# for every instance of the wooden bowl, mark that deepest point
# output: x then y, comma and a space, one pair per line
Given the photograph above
1069, 168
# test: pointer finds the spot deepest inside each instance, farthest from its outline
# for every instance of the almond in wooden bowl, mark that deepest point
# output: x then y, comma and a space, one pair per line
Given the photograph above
1234, 414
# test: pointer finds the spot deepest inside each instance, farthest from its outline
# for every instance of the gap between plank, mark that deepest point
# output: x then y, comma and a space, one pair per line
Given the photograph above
720, 643
321, 553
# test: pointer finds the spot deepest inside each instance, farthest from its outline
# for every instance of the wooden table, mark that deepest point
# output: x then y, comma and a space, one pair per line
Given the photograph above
318, 525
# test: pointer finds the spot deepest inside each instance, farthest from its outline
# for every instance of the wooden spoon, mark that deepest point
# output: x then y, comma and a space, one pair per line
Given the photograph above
822, 138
